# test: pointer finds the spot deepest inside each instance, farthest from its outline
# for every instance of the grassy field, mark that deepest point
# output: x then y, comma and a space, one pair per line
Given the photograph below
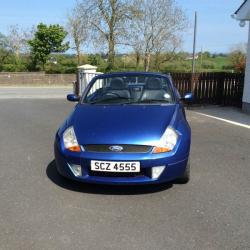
203, 64
180, 62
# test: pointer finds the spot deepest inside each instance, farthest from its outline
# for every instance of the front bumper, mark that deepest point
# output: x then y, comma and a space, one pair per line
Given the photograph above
175, 164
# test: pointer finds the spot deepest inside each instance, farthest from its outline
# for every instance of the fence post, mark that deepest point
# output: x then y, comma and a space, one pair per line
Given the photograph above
85, 74
194, 80
220, 89
191, 86
76, 85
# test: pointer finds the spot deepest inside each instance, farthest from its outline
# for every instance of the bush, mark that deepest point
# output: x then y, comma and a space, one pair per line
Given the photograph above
94, 59
228, 67
9, 68
70, 70
178, 67
238, 60
59, 69
208, 65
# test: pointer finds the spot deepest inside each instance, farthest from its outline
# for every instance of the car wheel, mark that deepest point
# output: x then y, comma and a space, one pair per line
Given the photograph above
186, 176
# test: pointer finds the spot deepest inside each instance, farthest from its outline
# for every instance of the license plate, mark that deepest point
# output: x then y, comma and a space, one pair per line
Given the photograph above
115, 167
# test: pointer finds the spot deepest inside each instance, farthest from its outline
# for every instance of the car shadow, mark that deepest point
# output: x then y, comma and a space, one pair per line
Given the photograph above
56, 178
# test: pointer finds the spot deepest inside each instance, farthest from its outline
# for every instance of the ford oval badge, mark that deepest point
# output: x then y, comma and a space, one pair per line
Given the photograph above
116, 148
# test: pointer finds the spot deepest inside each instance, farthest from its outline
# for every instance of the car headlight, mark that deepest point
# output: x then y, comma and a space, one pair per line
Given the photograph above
167, 141
70, 141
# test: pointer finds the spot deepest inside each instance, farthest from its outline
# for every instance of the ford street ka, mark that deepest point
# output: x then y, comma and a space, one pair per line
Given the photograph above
126, 128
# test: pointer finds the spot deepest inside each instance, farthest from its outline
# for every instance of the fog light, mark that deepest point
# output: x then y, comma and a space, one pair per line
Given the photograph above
157, 171
75, 169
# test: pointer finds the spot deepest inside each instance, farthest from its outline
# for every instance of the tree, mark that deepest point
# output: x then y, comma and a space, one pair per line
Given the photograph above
17, 40
5, 50
78, 30
47, 40
134, 40
108, 19
169, 51
238, 60
156, 27
206, 54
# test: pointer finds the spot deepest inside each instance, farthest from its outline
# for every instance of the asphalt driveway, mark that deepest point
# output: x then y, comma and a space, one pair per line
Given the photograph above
39, 210
34, 92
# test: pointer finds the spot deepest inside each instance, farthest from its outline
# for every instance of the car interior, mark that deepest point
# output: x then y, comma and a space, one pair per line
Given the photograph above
133, 88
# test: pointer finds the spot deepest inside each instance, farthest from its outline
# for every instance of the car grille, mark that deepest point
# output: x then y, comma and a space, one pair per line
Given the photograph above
142, 173
126, 148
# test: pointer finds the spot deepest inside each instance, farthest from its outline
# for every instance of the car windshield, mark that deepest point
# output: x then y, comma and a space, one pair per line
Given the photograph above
130, 90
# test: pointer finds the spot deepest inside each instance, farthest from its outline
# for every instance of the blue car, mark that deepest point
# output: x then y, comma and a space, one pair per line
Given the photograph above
127, 128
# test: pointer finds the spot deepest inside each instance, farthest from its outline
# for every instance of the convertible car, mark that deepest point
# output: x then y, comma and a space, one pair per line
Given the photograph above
126, 128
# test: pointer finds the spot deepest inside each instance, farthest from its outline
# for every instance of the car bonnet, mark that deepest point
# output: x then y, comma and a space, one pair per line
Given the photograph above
121, 124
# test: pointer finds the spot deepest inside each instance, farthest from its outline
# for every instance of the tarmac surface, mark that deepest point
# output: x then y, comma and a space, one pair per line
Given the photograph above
41, 210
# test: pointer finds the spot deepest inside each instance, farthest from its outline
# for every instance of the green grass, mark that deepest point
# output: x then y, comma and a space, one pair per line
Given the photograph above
67, 64
217, 64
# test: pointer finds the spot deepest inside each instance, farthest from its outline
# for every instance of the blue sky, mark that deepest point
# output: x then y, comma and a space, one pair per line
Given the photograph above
217, 31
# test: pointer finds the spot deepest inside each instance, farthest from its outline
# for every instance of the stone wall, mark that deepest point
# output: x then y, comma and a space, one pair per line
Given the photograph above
35, 79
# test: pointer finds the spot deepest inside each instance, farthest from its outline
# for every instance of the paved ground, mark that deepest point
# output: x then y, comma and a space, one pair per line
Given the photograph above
226, 113
34, 92
39, 210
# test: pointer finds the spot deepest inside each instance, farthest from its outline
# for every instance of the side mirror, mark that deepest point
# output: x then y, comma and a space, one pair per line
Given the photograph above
73, 98
188, 97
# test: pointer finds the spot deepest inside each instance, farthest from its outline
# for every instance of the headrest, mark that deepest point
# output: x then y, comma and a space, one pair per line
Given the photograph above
117, 83
153, 83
